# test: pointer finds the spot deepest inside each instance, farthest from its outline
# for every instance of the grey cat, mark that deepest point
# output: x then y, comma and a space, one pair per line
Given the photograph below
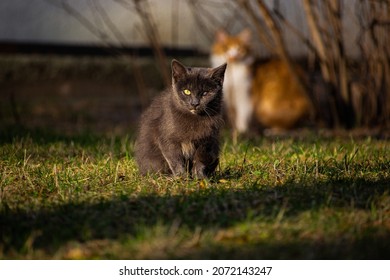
179, 132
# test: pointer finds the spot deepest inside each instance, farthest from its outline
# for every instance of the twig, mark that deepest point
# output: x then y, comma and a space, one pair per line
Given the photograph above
261, 31
151, 31
103, 37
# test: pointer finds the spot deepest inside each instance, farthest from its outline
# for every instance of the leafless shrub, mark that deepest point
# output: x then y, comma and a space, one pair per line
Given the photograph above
371, 91
358, 94
112, 33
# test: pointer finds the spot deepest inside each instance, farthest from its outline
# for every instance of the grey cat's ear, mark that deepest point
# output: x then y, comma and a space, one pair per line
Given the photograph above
218, 73
178, 70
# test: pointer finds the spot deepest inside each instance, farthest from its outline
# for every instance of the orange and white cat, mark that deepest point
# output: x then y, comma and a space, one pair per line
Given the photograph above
267, 92
238, 76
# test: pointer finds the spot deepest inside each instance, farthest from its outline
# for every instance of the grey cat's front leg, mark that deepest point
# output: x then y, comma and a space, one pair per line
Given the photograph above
174, 158
201, 171
206, 159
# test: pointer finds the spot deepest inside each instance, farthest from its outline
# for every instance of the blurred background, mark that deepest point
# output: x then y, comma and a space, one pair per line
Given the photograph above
88, 65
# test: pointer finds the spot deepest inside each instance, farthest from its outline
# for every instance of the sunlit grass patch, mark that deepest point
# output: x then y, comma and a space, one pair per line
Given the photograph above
82, 197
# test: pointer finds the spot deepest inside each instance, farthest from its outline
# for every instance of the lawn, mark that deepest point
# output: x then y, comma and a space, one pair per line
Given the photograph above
81, 197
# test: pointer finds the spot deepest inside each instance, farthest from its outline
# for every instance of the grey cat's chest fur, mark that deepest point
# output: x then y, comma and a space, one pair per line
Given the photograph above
179, 132
185, 126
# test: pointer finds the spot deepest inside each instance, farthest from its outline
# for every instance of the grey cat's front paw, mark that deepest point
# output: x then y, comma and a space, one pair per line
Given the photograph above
202, 171
198, 171
199, 175
178, 171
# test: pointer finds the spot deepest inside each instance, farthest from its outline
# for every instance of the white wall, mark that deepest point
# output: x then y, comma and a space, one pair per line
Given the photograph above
38, 20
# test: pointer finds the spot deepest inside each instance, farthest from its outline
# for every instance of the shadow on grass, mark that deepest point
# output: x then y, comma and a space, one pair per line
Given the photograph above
41, 136
372, 247
209, 208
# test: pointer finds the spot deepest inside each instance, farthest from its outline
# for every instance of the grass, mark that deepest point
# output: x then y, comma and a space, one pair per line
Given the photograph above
82, 198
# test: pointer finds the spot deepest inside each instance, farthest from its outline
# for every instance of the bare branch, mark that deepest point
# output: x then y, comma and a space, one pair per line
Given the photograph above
261, 31
296, 31
151, 30
107, 20
317, 38
64, 5
103, 37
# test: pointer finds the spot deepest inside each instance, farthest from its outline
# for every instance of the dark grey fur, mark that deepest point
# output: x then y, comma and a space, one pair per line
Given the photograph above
179, 133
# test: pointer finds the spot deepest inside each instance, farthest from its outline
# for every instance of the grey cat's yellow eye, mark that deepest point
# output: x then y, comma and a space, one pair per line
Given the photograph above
187, 92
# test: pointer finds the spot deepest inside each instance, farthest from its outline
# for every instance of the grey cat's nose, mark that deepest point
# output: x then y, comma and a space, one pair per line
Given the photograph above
194, 103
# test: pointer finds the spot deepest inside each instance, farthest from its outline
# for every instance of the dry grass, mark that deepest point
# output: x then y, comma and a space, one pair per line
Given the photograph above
82, 197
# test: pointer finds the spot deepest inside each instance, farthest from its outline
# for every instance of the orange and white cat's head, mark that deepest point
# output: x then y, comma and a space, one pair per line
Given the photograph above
231, 48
